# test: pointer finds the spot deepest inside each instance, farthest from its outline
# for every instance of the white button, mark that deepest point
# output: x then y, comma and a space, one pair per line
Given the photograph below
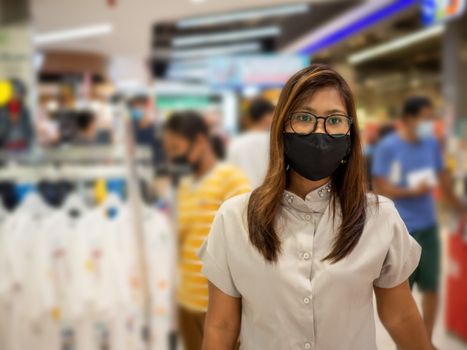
306, 300
306, 256
307, 346
307, 217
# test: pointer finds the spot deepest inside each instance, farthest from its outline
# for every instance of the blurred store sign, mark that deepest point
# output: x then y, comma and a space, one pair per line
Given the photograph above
435, 11
73, 63
256, 70
180, 102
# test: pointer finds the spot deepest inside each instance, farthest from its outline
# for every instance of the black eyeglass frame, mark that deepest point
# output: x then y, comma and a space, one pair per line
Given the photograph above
317, 117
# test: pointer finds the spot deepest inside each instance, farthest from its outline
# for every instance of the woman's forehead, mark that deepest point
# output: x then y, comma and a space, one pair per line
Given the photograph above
323, 101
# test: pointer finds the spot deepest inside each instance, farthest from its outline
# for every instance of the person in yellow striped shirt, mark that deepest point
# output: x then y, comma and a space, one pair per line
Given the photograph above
187, 142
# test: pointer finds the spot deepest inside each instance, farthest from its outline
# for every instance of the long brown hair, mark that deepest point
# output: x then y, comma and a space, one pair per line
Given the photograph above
347, 182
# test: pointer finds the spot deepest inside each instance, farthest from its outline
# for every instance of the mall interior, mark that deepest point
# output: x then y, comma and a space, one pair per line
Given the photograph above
90, 248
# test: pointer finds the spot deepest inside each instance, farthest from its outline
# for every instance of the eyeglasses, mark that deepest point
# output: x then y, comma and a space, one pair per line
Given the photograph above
335, 125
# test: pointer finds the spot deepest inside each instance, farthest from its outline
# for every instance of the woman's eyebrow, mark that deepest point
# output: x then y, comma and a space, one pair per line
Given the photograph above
306, 109
311, 110
334, 111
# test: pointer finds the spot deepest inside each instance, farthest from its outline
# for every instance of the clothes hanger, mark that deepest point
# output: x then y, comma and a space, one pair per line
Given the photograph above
34, 204
112, 205
74, 205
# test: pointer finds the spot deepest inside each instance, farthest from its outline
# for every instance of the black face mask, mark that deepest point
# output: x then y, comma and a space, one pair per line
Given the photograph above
183, 161
315, 156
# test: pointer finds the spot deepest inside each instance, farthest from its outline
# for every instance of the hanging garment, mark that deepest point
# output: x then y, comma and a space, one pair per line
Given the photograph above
161, 262
58, 300
17, 287
98, 274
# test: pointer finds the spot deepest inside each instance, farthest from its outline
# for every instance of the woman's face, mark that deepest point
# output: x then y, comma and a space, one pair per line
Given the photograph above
323, 102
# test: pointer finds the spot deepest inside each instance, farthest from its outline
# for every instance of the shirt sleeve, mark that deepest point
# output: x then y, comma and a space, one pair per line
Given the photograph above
402, 256
214, 256
382, 160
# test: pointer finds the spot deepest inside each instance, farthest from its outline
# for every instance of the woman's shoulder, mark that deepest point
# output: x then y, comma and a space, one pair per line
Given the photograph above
233, 214
384, 218
235, 205
379, 206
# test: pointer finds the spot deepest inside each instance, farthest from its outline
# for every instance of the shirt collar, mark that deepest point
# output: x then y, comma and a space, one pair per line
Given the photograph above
315, 201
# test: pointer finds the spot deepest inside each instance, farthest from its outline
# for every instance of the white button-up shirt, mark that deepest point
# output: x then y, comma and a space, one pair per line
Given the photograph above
303, 302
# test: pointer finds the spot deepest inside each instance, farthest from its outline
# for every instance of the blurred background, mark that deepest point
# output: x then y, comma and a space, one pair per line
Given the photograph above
88, 185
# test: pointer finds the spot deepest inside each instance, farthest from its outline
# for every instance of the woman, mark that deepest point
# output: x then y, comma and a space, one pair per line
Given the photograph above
294, 264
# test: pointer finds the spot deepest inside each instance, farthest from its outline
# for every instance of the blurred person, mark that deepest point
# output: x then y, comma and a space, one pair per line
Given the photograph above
145, 130
218, 145
386, 129
250, 150
214, 119
143, 125
86, 132
47, 127
16, 130
187, 143
369, 149
294, 264
104, 120
407, 165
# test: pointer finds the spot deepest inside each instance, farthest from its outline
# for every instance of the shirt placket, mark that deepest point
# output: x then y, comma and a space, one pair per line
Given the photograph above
306, 262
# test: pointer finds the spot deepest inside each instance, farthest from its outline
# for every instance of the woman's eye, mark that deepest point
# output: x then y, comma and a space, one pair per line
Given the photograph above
335, 120
304, 118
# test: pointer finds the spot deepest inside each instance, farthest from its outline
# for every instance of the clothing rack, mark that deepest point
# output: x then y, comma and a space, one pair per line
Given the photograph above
90, 162
75, 163
78, 155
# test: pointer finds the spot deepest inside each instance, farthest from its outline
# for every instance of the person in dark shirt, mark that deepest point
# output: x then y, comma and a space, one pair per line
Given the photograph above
407, 165
145, 131
16, 131
85, 128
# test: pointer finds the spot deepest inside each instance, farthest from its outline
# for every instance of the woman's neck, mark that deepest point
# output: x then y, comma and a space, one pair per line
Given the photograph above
301, 186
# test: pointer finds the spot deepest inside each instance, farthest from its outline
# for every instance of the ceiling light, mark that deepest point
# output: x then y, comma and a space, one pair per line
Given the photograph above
216, 50
73, 34
397, 44
226, 36
278, 11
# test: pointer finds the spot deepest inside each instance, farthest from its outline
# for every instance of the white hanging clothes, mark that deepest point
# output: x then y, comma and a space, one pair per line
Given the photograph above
127, 319
161, 262
58, 301
4, 303
98, 273
17, 289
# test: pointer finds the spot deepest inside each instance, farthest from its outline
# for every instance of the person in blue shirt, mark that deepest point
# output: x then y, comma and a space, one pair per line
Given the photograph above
407, 164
